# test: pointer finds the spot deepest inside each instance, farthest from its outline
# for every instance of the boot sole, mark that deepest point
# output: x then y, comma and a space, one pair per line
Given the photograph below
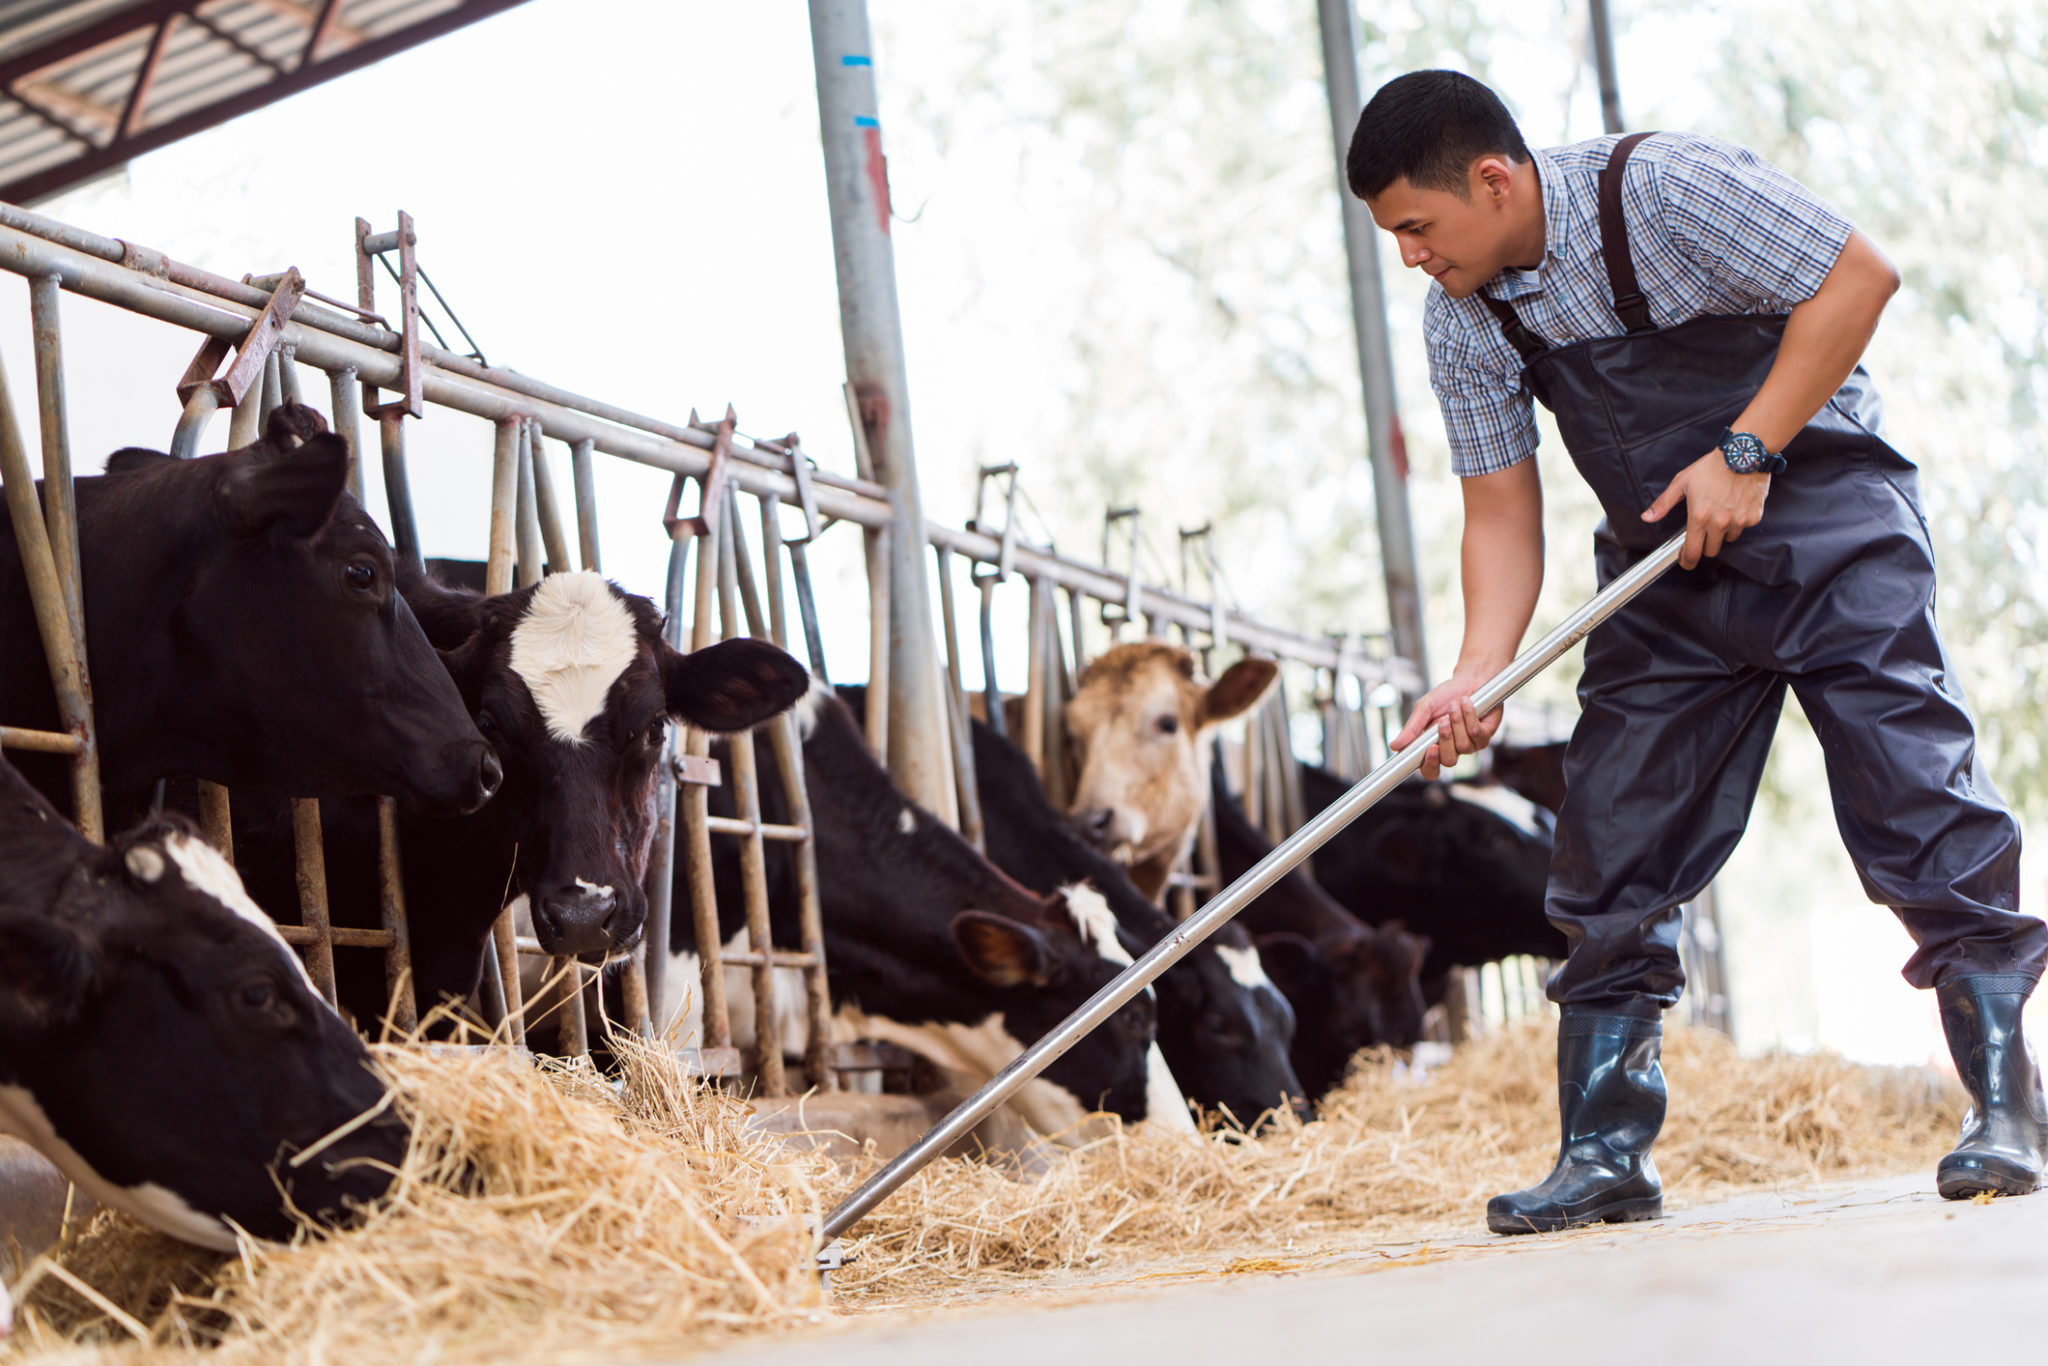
1620, 1212
1966, 1182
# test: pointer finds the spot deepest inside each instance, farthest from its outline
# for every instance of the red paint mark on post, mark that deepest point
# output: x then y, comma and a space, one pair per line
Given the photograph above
878, 175
1399, 445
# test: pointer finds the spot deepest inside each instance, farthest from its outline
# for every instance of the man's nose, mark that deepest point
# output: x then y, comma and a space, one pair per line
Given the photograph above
1413, 254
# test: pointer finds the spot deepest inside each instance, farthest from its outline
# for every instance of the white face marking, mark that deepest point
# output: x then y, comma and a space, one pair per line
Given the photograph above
1164, 1103
162, 1209
806, 709
572, 644
145, 863
1245, 968
1510, 805
906, 822
204, 870
1096, 922
593, 888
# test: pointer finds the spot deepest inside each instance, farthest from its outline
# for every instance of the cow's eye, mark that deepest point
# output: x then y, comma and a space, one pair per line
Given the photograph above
257, 996
1216, 1023
1167, 725
655, 734
361, 575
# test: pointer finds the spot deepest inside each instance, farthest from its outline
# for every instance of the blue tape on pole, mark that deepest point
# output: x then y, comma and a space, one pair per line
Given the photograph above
851, 59
863, 121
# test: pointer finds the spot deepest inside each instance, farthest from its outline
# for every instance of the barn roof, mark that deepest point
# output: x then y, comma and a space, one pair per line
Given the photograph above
87, 84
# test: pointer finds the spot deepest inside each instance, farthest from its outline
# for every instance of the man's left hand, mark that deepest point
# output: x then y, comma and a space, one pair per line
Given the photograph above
1719, 505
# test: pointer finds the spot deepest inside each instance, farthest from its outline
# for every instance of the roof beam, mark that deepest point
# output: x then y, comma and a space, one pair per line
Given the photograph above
145, 78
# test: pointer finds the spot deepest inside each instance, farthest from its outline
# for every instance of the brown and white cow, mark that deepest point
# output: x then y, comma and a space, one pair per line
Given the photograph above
1139, 724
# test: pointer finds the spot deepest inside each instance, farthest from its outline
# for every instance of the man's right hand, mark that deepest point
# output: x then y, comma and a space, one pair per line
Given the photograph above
1460, 729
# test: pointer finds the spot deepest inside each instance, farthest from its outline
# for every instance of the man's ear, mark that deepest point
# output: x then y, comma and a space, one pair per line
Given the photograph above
1001, 952
732, 685
48, 967
1241, 688
295, 491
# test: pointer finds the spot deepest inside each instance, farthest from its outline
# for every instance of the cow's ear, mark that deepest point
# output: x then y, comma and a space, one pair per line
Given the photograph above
48, 967
466, 665
1240, 689
1003, 953
449, 616
129, 459
297, 492
1295, 965
732, 685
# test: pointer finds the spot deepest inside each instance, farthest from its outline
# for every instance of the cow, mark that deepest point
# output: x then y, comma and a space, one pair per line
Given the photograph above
1464, 864
1353, 985
1224, 1029
162, 1045
1535, 771
930, 946
1138, 725
244, 625
573, 684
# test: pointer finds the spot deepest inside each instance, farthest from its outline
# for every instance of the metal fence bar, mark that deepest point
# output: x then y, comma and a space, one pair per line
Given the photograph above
553, 543
966, 789
584, 477
694, 804
879, 662
398, 981
498, 569
312, 880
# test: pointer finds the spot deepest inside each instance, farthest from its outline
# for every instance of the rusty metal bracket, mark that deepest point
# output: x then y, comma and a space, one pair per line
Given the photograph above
250, 353
1006, 555
1202, 543
713, 481
1113, 614
699, 770
411, 402
806, 498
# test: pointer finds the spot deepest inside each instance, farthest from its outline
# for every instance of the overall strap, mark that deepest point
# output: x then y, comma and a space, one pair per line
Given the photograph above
1526, 343
1629, 304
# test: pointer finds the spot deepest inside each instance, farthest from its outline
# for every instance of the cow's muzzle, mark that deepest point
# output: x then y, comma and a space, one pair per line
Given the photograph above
583, 920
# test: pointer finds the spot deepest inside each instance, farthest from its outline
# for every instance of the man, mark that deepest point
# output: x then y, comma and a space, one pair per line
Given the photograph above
1695, 318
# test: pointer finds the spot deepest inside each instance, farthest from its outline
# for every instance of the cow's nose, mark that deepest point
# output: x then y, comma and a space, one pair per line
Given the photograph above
490, 774
1098, 823
576, 920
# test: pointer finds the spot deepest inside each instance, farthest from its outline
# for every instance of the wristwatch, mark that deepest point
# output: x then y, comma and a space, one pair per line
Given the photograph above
1747, 454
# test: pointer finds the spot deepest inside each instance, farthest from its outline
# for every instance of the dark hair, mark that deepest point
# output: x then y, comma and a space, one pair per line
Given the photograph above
1428, 127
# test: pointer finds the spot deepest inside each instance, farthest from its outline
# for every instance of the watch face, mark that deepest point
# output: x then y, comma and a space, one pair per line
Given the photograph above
1744, 453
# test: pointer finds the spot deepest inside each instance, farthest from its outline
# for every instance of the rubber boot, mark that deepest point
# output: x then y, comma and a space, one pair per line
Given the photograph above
1610, 1098
2006, 1128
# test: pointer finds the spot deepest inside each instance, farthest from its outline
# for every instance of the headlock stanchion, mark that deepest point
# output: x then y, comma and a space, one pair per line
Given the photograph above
1236, 897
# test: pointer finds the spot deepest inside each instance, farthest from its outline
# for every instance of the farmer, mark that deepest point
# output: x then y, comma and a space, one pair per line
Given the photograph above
1694, 319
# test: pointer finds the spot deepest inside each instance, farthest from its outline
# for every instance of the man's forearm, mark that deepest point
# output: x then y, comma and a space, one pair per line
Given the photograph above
1501, 564
1824, 338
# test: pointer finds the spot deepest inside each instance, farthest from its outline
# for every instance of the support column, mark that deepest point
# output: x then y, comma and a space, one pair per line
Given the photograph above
1375, 359
857, 185
1603, 63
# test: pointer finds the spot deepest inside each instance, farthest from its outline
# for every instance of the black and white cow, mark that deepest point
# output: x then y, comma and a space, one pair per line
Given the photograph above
163, 1047
1464, 864
573, 684
931, 947
1353, 985
243, 625
1224, 1028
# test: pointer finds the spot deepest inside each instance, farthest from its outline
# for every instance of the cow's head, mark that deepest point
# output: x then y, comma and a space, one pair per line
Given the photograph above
572, 682
162, 1045
289, 663
1227, 1030
1361, 992
1138, 724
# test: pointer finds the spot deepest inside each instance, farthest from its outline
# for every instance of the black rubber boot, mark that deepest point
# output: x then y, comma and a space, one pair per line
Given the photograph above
2006, 1128
1610, 1097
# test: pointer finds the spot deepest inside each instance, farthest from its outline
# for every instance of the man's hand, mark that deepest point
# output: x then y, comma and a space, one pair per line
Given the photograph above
1460, 729
1719, 505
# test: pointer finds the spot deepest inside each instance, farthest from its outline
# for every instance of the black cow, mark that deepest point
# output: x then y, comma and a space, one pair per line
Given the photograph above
1353, 985
1224, 1029
572, 682
928, 944
1535, 771
243, 625
1464, 864
162, 1046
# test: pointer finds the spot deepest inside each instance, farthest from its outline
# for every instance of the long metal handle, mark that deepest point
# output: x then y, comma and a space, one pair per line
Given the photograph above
1237, 896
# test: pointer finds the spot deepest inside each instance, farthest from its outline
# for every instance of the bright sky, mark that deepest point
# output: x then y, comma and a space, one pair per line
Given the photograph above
627, 200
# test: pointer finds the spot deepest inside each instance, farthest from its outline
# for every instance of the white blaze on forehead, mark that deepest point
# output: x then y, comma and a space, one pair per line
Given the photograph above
571, 645
1096, 922
158, 1206
204, 870
1245, 968
1510, 805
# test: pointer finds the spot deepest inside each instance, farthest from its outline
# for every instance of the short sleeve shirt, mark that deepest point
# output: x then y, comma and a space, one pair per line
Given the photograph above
1713, 229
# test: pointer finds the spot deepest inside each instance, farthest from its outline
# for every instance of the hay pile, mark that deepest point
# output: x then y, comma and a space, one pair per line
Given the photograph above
648, 1222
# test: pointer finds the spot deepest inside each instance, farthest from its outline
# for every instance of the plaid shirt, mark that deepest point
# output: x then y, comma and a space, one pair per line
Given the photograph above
1713, 228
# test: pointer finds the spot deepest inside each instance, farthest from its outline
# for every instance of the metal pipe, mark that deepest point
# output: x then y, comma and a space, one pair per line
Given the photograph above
694, 804
964, 781
405, 534
1036, 675
1603, 64
546, 509
198, 412
346, 397
807, 610
498, 561
312, 879
246, 423
273, 385
585, 480
60, 511
991, 692
1237, 896
41, 741
881, 664
216, 818
398, 982
526, 518
857, 193
1375, 351
508, 975
771, 570
288, 375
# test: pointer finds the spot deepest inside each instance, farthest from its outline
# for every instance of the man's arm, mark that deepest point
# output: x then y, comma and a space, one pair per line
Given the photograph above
1501, 568
1824, 338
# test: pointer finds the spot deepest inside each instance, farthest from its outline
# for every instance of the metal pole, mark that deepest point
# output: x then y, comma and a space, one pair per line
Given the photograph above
856, 181
1375, 354
1237, 896
1603, 63
585, 479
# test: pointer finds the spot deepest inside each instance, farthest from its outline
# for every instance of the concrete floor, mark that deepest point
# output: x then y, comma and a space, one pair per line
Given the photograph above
1873, 1271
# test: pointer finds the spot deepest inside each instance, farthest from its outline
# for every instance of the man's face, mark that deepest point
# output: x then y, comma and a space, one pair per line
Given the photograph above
1460, 241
